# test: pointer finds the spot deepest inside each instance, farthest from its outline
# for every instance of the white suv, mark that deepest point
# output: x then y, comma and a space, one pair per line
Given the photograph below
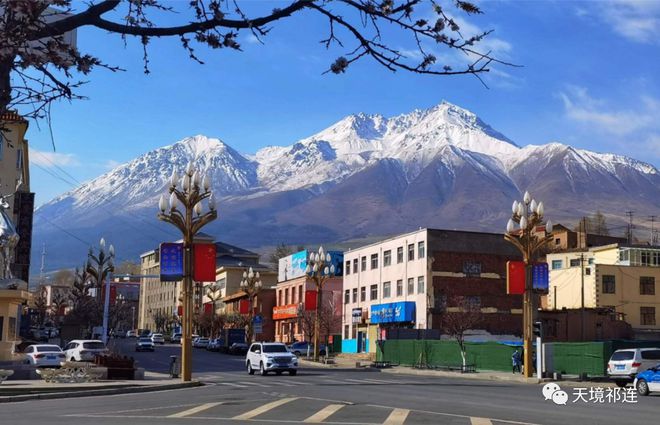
270, 357
625, 364
84, 350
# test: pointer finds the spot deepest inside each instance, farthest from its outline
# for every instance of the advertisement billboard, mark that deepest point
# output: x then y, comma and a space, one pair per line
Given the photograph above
294, 265
393, 312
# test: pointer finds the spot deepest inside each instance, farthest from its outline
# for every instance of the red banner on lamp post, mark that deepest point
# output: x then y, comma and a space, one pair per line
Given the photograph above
204, 264
515, 277
208, 308
244, 306
310, 300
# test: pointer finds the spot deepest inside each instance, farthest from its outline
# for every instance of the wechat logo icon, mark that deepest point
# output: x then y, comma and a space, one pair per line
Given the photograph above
553, 392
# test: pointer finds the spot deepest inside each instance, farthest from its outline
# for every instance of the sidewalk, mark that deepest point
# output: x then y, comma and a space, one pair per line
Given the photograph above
38, 389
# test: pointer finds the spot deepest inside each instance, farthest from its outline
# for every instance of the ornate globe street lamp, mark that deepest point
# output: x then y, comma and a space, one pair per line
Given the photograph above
521, 231
187, 193
101, 269
251, 285
320, 269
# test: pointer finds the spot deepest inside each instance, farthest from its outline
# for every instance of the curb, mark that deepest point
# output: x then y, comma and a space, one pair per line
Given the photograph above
100, 392
312, 365
484, 376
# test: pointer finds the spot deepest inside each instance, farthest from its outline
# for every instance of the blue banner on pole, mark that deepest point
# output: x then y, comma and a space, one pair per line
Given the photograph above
171, 262
540, 277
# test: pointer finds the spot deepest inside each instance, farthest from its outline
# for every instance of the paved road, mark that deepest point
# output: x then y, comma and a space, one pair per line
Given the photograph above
339, 397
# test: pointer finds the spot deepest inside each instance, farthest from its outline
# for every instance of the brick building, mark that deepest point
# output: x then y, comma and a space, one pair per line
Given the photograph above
263, 305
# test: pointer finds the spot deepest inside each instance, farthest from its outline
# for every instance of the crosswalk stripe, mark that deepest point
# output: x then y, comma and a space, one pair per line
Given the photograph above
324, 413
283, 384
359, 381
380, 381
333, 381
194, 410
253, 383
233, 385
263, 409
480, 421
397, 417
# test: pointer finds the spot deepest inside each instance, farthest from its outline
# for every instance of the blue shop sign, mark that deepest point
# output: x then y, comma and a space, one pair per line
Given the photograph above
393, 312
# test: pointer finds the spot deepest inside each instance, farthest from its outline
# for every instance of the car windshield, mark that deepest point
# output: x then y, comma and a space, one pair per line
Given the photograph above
623, 355
94, 345
158, 335
275, 348
49, 349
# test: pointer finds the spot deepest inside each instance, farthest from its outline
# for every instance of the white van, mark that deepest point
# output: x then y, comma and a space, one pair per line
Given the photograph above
625, 364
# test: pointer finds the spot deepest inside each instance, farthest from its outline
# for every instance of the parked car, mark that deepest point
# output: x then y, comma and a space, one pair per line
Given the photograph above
648, 381
84, 350
201, 342
301, 348
624, 365
158, 339
43, 355
270, 357
215, 344
238, 348
176, 338
144, 344
131, 334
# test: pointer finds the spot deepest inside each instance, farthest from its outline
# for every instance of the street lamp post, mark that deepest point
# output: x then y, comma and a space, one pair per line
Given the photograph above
251, 285
101, 271
189, 192
320, 269
521, 232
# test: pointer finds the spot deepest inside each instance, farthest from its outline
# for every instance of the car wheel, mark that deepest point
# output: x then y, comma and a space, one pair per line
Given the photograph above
293, 372
249, 368
620, 383
642, 387
262, 369
297, 353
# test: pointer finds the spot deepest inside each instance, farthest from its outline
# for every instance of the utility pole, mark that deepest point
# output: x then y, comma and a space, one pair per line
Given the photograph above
654, 234
630, 226
582, 296
43, 263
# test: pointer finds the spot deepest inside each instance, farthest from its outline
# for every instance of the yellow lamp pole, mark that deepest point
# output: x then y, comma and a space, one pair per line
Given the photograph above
189, 191
251, 285
521, 231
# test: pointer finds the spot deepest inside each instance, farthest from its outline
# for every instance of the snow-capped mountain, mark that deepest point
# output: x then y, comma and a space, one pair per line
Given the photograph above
364, 175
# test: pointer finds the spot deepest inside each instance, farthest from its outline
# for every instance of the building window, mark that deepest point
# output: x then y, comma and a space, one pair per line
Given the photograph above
374, 261
348, 267
421, 250
420, 285
279, 297
411, 286
347, 296
354, 295
575, 262
354, 332
363, 266
646, 285
472, 269
300, 294
587, 271
646, 258
556, 264
363, 294
387, 258
399, 288
609, 284
557, 241
647, 315
399, 255
411, 252
347, 330
286, 296
374, 292
19, 159
387, 289
355, 269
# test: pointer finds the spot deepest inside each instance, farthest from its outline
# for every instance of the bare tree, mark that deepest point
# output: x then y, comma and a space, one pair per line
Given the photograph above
37, 64
461, 315
41, 304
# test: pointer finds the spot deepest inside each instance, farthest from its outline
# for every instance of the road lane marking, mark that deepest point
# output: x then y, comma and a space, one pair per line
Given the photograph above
324, 413
456, 415
253, 383
232, 384
284, 384
189, 412
380, 381
397, 417
263, 409
480, 421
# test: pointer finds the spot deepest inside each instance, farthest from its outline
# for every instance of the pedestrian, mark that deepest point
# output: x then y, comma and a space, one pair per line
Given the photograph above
515, 361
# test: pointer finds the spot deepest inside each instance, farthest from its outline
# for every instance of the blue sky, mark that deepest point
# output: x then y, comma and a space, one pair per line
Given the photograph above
590, 78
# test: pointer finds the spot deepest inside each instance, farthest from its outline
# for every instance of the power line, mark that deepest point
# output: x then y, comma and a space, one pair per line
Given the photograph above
87, 244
